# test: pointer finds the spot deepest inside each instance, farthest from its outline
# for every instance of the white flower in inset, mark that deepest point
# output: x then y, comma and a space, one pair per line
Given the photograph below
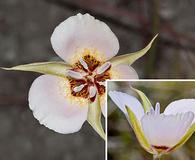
158, 133
71, 93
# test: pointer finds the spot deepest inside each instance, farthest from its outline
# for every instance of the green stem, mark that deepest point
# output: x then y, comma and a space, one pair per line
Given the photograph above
156, 157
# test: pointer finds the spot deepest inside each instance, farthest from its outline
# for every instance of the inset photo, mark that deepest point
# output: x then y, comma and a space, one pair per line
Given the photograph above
151, 119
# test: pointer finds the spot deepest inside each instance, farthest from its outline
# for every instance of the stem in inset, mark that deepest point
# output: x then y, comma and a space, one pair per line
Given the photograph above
156, 157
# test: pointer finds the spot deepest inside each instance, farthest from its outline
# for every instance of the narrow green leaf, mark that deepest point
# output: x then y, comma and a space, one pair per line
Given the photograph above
145, 101
94, 116
188, 134
131, 57
53, 68
138, 131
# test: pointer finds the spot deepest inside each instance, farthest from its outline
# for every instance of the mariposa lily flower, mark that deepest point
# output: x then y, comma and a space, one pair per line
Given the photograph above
158, 133
73, 91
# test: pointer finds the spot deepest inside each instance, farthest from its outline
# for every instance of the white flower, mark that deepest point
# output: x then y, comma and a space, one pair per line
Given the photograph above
158, 133
72, 92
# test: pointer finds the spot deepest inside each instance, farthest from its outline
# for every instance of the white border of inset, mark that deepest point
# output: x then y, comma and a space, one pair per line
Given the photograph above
133, 80
106, 125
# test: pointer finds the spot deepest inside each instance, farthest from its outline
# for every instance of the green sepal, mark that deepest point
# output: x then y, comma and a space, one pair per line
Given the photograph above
145, 101
53, 68
188, 134
138, 131
94, 116
131, 57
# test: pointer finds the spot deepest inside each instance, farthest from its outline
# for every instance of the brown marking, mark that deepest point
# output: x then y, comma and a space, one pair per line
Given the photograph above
76, 82
89, 82
160, 148
92, 99
79, 66
102, 77
101, 89
83, 93
91, 62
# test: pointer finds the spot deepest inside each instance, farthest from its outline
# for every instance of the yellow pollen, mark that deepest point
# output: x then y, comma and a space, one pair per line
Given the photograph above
64, 88
80, 53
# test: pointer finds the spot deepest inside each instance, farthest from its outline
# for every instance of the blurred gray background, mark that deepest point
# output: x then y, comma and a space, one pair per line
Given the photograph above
25, 30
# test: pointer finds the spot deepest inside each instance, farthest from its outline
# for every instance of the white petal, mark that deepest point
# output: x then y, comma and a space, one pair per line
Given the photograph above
166, 130
123, 99
51, 107
81, 32
181, 106
124, 72
103, 68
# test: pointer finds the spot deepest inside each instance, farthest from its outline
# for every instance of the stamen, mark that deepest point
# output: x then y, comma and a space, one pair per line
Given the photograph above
157, 108
75, 75
92, 92
83, 63
103, 68
102, 83
87, 77
78, 88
